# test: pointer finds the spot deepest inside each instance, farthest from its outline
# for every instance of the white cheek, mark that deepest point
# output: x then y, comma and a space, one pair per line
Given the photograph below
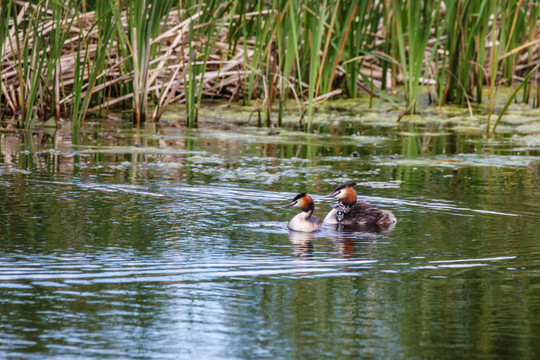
340, 196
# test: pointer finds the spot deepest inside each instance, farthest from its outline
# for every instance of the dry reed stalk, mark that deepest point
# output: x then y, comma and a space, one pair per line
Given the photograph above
225, 72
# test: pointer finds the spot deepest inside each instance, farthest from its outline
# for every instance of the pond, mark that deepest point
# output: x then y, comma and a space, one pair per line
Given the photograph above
163, 242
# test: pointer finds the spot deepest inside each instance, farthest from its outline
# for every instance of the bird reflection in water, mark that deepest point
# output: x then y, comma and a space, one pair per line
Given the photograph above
302, 243
346, 238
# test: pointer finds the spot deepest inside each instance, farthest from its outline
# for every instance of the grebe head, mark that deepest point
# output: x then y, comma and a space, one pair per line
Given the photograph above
345, 193
302, 201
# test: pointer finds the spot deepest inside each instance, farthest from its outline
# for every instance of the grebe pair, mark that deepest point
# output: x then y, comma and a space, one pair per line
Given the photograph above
347, 212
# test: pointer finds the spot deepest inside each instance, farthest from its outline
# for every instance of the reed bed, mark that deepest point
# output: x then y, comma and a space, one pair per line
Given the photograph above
69, 58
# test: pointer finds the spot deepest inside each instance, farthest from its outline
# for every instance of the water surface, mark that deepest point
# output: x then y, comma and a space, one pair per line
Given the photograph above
167, 243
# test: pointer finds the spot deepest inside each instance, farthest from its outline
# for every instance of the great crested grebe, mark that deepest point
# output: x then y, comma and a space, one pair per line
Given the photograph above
352, 212
305, 221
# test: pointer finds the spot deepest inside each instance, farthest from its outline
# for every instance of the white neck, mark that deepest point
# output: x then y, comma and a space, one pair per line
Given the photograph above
300, 222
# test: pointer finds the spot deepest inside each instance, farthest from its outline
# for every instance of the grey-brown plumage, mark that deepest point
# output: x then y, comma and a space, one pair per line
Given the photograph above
358, 213
362, 213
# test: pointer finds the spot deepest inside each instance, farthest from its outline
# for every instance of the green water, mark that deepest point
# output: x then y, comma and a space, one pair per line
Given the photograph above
167, 243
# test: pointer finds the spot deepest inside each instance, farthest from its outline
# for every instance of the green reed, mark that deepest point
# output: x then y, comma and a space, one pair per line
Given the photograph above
191, 85
413, 25
512, 35
26, 50
87, 68
359, 29
315, 27
466, 27
493, 61
532, 26
511, 98
40, 30
212, 11
269, 51
145, 19
5, 16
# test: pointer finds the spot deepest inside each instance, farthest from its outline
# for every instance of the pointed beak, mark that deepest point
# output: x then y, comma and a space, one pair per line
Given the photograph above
288, 205
329, 196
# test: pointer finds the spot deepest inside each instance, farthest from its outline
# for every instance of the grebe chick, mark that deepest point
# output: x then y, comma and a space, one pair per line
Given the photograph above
305, 221
352, 212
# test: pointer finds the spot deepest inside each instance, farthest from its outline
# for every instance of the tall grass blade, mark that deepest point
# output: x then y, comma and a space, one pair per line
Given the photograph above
92, 66
494, 59
513, 95
71, 56
317, 24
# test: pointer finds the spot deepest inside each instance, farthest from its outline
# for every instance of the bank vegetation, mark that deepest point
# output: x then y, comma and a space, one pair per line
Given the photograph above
70, 58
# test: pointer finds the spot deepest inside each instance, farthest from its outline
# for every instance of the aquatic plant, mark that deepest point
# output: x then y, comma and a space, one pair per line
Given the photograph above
31, 31
70, 58
90, 67
415, 18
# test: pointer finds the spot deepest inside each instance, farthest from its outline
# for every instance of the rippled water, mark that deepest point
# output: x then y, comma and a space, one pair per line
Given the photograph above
163, 243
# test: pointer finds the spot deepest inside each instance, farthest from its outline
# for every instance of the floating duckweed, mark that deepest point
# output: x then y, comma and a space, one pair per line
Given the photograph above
337, 180
515, 119
369, 139
339, 158
427, 133
290, 173
460, 161
394, 184
413, 119
530, 128
195, 158
404, 133
18, 171
295, 160
468, 129
205, 159
251, 175
173, 165
50, 151
530, 140
504, 129
124, 165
